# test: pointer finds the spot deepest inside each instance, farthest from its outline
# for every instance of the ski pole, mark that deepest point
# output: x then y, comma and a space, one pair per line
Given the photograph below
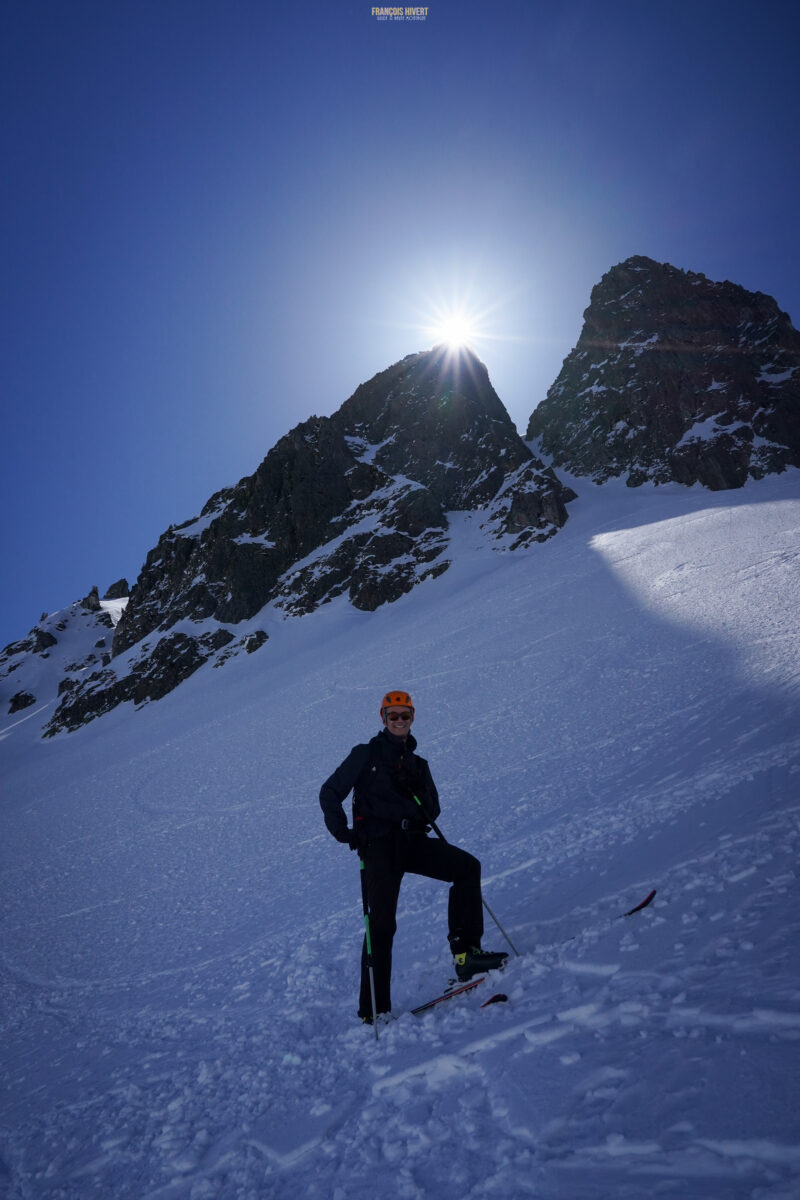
368, 942
439, 833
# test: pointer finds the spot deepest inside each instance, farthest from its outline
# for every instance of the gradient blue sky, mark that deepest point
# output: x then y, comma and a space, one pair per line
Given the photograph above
221, 216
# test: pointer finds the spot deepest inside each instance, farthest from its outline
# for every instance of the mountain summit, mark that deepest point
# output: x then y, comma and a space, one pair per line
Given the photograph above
675, 377
355, 503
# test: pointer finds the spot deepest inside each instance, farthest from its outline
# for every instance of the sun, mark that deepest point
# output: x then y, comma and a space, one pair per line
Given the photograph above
456, 329
456, 315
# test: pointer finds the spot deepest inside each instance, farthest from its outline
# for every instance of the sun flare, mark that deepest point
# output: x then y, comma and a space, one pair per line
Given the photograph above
456, 329
459, 316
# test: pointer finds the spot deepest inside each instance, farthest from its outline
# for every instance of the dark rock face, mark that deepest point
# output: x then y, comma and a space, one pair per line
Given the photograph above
254, 641
354, 503
157, 670
351, 504
42, 640
675, 377
118, 590
38, 641
91, 602
56, 657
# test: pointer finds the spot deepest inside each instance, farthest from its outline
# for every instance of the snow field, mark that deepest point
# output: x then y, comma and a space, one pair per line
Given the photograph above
612, 711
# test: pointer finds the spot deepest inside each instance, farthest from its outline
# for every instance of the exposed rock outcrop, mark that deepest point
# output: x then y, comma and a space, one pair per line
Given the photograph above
56, 657
675, 377
91, 602
118, 590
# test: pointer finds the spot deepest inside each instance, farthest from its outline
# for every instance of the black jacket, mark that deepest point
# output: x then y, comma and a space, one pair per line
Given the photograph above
385, 774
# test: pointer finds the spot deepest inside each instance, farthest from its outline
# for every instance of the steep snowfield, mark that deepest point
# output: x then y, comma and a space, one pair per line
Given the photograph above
612, 711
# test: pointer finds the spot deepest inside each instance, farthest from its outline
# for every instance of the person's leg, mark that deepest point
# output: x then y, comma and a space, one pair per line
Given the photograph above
384, 875
437, 859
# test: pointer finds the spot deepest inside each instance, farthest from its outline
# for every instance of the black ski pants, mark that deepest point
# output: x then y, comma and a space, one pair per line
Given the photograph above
386, 861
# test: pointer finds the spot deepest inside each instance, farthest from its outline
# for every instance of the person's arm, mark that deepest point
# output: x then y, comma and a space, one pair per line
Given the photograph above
433, 796
337, 788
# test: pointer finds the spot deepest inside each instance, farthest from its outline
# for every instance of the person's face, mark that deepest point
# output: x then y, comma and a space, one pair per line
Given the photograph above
398, 720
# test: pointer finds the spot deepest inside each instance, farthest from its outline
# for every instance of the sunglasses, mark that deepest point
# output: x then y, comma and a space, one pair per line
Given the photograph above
395, 716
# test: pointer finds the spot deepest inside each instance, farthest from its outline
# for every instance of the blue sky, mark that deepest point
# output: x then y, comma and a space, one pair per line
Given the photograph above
220, 217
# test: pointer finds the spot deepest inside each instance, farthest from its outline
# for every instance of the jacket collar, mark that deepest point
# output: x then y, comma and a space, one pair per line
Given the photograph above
396, 743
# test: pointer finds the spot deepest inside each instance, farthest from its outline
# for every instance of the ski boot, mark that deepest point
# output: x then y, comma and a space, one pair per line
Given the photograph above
475, 961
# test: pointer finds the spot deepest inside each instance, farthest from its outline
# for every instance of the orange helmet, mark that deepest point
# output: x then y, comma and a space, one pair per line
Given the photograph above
400, 698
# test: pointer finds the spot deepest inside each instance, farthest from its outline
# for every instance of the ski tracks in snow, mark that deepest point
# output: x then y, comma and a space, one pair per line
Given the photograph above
601, 1077
581, 1086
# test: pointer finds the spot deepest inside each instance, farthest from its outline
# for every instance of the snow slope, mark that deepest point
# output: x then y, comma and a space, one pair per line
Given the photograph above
614, 710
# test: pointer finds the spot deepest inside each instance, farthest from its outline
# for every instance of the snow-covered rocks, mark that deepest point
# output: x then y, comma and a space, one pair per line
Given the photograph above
359, 504
675, 377
60, 652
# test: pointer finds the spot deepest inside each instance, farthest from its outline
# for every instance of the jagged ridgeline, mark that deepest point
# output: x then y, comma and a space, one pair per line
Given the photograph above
356, 503
675, 378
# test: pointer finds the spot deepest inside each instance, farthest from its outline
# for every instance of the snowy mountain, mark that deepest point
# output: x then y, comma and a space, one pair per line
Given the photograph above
57, 654
675, 377
613, 710
608, 711
359, 503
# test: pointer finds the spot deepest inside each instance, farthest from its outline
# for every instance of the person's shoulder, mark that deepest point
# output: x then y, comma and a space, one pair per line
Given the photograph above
362, 752
359, 749
353, 763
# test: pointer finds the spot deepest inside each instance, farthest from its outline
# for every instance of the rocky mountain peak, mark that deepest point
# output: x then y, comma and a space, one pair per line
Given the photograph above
436, 418
356, 504
675, 377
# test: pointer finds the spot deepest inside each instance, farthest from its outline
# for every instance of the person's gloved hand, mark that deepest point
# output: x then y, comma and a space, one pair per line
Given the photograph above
349, 837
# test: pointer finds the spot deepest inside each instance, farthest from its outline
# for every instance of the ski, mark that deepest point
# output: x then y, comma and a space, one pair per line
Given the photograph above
643, 904
497, 998
456, 989
453, 989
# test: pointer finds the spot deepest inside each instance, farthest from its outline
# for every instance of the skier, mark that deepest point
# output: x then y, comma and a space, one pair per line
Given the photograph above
394, 798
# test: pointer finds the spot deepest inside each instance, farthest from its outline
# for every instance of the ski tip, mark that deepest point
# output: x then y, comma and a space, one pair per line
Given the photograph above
643, 904
497, 998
